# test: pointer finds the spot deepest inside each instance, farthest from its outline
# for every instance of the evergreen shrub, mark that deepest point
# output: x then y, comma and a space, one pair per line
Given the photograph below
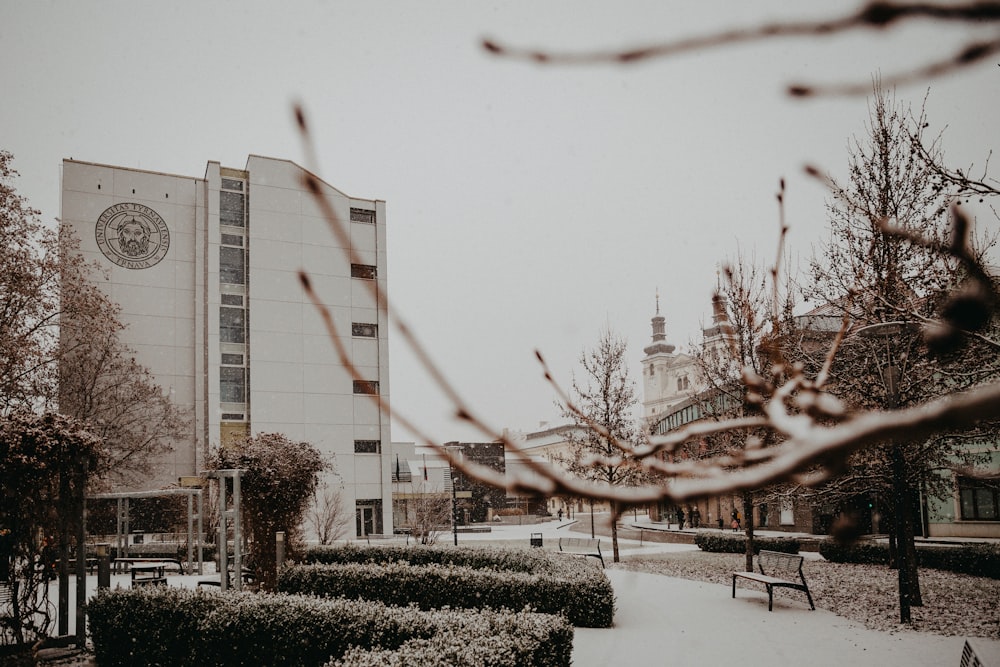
173, 626
433, 578
981, 560
735, 543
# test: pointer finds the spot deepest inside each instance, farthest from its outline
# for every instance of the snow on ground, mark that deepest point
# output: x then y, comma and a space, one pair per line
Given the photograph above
663, 620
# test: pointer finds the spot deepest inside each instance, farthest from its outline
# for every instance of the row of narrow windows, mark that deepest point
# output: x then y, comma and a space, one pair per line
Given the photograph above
233, 375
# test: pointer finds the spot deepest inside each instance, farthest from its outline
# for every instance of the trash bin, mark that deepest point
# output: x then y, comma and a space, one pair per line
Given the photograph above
536, 539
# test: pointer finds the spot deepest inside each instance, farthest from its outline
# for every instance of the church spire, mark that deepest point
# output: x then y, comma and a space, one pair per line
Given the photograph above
659, 323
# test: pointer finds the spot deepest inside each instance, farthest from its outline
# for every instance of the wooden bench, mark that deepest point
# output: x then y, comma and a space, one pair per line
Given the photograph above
582, 546
777, 570
148, 574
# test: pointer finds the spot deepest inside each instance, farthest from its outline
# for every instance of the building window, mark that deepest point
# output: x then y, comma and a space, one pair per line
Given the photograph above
979, 499
232, 184
232, 239
366, 387
231, 205
363, 271
233, 416
364, 330
232, 384
232, 299
366, 446
362, 215
232, 359
232, 266
232, 325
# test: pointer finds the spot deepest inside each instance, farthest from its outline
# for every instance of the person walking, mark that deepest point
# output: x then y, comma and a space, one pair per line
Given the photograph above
680, 519
736, 520
695, 518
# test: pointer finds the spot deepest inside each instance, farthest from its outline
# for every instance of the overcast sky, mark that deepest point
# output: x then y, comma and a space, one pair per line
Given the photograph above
528, 207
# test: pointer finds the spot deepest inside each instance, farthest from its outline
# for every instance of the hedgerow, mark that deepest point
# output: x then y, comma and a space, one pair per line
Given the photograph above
736, 543
172, 626
981, 560
468, 578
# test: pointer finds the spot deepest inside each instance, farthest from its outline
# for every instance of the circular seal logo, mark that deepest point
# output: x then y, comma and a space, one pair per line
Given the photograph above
132, 235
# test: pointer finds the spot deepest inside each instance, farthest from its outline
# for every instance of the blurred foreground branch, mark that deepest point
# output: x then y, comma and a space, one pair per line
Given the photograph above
815, 433
873, 15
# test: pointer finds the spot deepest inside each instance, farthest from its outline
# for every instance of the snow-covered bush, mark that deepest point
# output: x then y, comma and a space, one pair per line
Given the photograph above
517, 560
168, 626
735, 543
573, 587
494, 639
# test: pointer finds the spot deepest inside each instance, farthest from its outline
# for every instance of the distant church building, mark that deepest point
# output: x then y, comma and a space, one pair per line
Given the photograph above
206, 273
668, 377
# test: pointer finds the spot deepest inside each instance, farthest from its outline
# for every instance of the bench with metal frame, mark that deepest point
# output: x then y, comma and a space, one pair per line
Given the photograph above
148, 574
777, 570
582, 546
120, 564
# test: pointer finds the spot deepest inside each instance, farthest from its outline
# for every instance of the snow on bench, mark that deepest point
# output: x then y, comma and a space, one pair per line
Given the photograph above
777, 571
582, 546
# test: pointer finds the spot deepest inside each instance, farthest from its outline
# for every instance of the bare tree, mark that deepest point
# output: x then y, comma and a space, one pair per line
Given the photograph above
328, 518
60, 345
741, 336
429, 514
29, 299
100, 381
603, 406
872, 275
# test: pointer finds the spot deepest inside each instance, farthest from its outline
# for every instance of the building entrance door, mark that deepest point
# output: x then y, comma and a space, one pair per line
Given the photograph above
366, 520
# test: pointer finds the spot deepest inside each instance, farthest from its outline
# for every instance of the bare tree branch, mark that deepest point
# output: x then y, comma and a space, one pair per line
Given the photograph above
874, 15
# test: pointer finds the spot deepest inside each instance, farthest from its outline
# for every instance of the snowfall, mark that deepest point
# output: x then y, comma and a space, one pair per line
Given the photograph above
667, 621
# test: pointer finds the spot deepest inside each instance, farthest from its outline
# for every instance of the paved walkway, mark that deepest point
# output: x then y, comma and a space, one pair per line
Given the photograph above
662, 620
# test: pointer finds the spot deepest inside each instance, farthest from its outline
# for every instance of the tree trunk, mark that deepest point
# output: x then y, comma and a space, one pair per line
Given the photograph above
907, 547
900, 504
891, 528
748, 516
614, 531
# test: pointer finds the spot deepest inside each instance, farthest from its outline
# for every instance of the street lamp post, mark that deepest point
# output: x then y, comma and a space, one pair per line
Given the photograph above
454, 451
900, 488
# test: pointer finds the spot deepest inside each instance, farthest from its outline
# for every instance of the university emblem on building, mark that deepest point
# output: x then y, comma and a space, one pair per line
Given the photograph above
132, 235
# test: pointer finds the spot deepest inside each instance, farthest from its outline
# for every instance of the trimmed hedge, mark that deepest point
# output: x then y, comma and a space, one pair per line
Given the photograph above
981, 560
729, 543
516, 560
471, 578
177, 627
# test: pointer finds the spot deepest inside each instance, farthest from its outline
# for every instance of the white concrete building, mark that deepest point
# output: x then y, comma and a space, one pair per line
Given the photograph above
206, 272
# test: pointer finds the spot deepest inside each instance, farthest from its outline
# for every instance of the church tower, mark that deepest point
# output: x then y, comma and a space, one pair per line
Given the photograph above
667, 377
719, 337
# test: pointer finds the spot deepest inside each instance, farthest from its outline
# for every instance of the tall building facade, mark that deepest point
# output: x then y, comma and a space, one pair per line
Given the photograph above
206, 271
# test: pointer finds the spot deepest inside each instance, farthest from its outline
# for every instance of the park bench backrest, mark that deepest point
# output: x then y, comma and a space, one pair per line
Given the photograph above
579, 543
780, 565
